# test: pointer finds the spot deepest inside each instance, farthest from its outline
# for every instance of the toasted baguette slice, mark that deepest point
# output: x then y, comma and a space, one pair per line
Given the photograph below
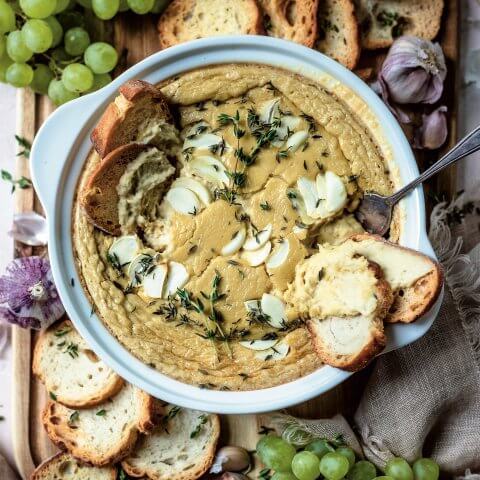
338, 35
185, 20
382, 22
139, 114
63, 466
296, 21
100, 197
69, 369
105, 434
181, 449
415, 278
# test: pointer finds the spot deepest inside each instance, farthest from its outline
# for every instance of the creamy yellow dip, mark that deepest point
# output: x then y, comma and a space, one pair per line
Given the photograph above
254, 188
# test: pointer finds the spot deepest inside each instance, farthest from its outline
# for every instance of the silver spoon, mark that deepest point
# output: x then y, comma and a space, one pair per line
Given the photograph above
375, 211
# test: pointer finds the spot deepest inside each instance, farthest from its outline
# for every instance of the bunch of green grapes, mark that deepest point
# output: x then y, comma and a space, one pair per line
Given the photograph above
44, 44
323, 459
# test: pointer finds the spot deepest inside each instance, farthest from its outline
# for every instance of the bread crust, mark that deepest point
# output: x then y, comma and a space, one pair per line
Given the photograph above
57, 427
418, 299
200, 469
111, 389
177, 9
111, 131
43, 470
304, 28
99, 198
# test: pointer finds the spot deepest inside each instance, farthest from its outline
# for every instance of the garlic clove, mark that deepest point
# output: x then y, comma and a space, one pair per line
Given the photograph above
275, 309
183, 200
278, 352
203, 141
269, 110
231, 459
254, 242
252, 305
336, 192
297, 140
124, 249
434, 131
279, 254
258, 345
209, 168
30, 228
202, 192
235, 243
177, 277
257, 257
154, 281
138, 268
308, 191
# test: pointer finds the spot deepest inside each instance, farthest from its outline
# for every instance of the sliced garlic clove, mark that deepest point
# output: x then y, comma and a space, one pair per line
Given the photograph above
300, 232
257, 257
279, 254
209, 168
290, 121
296, 140
258, 344
183, 200
287, 124
275, 309
321, 186
336, 192
124, 249
278, 352
154, 281
254, 242
308, 191
269, 110
177, 278
235, 243
202, 192
202, 141
252, 305
138, 267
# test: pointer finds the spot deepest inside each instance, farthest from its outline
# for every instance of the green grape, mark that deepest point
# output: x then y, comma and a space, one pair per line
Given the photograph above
38, 8
85, 3
399, 469
101, 57
61, 6
123, 6
141, 6
306, 466
105, 9
76, 41
99, 81
3, 45
57, 30
319, 447
60, 55
362, 470
334, 466
59, 94
16, 48
5, 62
37, 35
71, 19
19, 75
78, 78
283, 476
275, 453
42, 76
426, 469
159, 6
348, 453
7, 18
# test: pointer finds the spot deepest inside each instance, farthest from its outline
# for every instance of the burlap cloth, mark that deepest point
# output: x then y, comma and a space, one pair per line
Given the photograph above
424, 399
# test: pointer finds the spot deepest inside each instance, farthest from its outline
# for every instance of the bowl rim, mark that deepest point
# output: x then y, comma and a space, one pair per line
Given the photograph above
56, 184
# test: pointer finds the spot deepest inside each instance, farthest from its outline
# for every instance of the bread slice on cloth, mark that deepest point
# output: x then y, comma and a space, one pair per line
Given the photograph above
291, 20
70, 370
63, 466
181, 448
338, 35
139, 114
185, 20
100, 197
106, 433
381, 22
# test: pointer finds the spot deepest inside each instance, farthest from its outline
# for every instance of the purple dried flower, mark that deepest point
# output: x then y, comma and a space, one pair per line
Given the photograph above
28, 296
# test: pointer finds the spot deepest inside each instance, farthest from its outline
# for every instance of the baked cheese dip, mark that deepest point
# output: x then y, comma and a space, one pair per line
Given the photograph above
257, 167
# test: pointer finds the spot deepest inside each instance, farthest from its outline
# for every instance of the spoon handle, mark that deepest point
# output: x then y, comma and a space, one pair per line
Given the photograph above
466, 146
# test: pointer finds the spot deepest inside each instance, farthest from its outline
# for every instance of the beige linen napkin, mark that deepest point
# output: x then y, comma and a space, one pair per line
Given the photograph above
424, 399
6, 473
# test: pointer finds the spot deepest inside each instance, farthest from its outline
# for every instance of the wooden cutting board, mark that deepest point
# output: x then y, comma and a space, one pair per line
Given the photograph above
135, 37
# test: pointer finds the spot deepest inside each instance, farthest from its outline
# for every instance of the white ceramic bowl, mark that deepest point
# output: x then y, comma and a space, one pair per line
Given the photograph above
60, 150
